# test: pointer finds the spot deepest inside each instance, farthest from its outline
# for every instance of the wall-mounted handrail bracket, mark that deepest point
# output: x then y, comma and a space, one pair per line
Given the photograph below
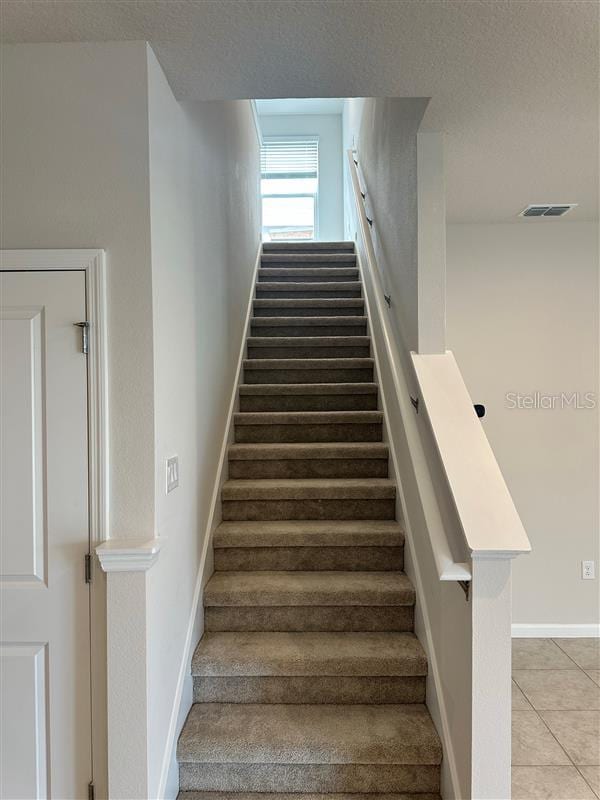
466, 587
369, 220
415, 403
388, 299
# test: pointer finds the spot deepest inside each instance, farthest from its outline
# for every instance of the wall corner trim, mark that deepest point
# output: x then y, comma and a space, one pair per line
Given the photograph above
128, 555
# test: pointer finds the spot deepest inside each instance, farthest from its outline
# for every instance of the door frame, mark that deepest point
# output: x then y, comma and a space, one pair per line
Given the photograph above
93, 264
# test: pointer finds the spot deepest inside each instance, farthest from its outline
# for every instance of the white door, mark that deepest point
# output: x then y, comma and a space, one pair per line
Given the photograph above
45, 723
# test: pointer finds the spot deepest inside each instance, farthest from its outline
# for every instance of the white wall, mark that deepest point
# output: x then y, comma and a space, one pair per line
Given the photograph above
384, 131
522, 316
75, 174
204, 164
329, 129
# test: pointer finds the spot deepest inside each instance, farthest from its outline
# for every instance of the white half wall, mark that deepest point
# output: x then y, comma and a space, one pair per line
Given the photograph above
328, 127
522, 317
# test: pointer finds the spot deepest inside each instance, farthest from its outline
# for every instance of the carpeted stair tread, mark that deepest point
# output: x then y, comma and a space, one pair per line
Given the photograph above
350, 273
309, 341
318, 287
309, 302
307, 247
310, 533
316, 322
218, 733
312, 322
308, 363
302, 488
326, 259
307, 388
234, 589
302, 450
317, 654
298, 397
278, 347
315, 302
309, 370
306, 417
302, 796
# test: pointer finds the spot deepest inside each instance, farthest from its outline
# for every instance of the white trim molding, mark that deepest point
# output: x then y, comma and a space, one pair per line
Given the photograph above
543, 630
128, 555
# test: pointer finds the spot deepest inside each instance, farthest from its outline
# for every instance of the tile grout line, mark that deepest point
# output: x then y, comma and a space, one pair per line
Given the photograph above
580, 669
540, 716
585, 779
568, 656
555, 739
583, 765
546, 726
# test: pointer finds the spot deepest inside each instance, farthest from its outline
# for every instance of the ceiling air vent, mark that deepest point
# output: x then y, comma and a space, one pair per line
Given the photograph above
547, 210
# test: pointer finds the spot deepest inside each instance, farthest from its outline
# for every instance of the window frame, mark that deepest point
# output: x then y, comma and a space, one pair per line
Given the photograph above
294, 138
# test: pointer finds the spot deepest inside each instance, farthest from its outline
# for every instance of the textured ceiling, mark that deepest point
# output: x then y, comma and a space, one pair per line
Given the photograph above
514, 83
301, 105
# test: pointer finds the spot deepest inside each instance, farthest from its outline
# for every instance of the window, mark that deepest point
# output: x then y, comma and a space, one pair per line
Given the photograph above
289, 167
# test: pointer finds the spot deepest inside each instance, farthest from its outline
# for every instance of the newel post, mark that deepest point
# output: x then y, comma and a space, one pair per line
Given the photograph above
491, 682
126, 563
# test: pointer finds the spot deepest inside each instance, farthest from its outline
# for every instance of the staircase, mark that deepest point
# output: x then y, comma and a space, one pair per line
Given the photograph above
308, 680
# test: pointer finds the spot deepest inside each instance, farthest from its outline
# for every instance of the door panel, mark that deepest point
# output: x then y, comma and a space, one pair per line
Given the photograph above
45, 746
23, 475
23, 716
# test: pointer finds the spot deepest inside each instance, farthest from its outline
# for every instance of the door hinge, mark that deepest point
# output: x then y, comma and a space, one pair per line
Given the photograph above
91, 791
85, 335
87, 567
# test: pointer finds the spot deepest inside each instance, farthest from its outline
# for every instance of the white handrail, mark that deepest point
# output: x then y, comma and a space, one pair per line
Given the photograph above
490, 523
488, 520
447, 568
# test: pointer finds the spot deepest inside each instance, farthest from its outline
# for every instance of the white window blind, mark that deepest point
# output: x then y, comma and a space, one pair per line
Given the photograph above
289, 157
289, 167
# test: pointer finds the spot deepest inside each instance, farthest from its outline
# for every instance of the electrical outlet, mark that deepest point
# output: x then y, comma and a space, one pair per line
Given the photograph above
172, 473
588, 570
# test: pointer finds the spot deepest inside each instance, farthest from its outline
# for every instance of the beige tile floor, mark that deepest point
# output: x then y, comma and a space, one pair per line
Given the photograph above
556, 719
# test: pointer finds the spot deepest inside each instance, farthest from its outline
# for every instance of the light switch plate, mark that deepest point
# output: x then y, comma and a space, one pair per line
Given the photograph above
172, 473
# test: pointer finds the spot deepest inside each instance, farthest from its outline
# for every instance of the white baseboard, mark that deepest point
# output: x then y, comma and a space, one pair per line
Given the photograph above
183, 695
555, 631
